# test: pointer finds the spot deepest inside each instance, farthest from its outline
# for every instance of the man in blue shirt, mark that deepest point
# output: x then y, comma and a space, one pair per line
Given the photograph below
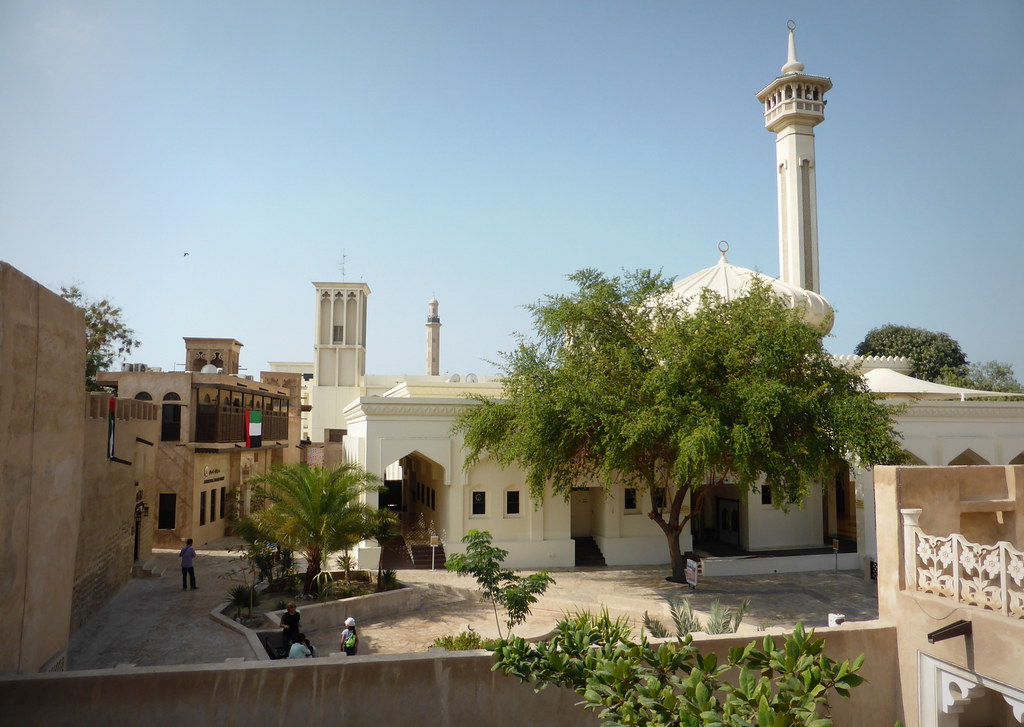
188, 571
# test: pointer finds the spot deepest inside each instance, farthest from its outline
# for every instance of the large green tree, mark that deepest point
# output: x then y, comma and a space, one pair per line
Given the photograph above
619, 387
934, 356
106, 334
315, 511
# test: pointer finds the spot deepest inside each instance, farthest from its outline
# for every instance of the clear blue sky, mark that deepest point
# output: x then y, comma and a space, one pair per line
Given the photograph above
481, 151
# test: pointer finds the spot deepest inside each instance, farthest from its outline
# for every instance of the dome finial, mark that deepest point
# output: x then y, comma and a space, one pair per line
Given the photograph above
792, 64
723, 247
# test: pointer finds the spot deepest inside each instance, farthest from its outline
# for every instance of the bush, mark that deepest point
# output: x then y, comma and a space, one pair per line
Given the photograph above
388, 579
466, 641
242, 596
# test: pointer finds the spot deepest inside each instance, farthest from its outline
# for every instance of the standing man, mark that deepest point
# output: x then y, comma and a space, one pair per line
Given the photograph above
188, 571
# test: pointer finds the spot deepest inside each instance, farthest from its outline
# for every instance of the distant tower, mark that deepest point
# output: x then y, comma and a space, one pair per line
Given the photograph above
433, 339
339, 353
794, 103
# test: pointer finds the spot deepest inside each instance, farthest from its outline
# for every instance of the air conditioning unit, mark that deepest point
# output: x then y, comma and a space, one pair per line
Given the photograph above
136, 368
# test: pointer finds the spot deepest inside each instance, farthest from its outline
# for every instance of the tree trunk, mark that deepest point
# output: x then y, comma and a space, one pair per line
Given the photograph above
676, 555
312, 571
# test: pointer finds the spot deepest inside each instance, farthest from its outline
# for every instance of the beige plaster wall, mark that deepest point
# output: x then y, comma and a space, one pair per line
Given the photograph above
110, 492
447, 690
42, 404
996, 647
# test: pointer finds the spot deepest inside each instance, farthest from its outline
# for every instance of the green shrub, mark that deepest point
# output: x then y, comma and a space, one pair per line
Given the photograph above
389, 579
349, 590
466, 641
243, 596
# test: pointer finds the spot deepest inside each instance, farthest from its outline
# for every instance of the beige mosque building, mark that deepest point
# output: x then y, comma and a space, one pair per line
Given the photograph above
399, 427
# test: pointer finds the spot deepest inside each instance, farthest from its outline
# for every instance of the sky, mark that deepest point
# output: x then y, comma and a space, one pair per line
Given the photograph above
201, 163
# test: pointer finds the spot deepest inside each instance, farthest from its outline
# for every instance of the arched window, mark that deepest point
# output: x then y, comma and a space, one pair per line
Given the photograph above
170, 427
143, 396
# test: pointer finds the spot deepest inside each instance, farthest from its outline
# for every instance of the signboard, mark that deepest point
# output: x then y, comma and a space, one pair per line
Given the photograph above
691, 573
434, 541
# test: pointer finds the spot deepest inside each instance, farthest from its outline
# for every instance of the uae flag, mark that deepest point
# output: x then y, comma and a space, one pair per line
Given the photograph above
111, 406
254, 429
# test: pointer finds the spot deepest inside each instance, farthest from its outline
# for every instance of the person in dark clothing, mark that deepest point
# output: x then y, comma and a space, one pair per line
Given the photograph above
290, 624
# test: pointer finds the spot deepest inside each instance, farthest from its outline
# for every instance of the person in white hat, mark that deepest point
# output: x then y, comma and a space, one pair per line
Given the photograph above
349, 637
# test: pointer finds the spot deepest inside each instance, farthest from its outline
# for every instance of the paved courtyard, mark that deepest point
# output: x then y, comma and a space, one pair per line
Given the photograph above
152, 622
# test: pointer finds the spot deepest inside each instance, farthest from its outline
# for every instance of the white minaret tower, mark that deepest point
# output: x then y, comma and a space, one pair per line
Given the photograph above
433, 339
794, 103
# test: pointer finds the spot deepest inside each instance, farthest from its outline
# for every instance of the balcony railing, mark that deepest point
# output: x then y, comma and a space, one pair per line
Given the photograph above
987, 576
228, 424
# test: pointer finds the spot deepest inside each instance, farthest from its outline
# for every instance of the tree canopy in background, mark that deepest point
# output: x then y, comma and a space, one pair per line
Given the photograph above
621, 388
934, 356
937, 357
106, 335
988, 376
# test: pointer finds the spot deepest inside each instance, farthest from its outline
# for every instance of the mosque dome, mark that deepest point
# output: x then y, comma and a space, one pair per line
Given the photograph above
731, 282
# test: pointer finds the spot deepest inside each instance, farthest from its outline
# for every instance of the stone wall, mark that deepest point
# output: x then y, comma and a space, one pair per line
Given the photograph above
415, 690
112, 490
42, 400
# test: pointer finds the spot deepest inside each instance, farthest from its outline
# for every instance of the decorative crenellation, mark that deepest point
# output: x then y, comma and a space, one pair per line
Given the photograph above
897, 363
985, 576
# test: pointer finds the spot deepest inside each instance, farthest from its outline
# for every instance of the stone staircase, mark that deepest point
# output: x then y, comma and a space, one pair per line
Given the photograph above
588, 554
423, 559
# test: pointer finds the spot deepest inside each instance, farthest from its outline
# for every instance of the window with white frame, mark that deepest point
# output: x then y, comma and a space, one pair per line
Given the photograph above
512, 502
478, 503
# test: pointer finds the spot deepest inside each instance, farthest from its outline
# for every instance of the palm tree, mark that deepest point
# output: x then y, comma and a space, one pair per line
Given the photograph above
382, 527
311, 510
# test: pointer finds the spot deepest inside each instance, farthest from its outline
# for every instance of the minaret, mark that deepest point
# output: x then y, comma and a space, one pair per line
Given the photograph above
433, 339
794, 103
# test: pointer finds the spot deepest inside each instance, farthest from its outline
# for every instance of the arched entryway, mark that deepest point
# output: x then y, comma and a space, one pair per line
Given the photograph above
416, 493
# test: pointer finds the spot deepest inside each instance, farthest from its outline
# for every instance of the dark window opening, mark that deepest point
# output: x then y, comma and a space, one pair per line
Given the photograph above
766, 495
167, 511
144, 396
223, 491
512, 502
202, 508
629, 497
170, 419
479, 503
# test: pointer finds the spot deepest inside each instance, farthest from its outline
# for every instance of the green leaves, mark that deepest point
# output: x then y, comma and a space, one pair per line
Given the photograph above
620, 385
934, 356
106, 334
313, 510
632, 683
514, 593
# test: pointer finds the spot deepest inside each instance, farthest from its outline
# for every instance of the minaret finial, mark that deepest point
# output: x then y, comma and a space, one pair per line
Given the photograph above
792, 64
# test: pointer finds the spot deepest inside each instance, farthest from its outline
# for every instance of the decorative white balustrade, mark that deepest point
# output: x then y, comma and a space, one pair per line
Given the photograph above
986, 576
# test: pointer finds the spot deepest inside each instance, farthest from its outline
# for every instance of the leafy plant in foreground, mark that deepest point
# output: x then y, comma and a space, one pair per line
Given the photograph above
762, 684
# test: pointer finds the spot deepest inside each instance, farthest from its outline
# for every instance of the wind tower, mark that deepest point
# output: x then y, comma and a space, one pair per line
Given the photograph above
794, 103
339, 354
433, 339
